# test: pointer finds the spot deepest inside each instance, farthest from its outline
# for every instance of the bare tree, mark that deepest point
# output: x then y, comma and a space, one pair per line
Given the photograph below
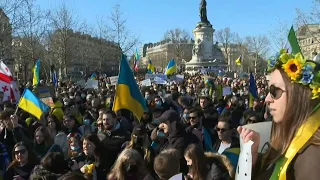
120, 32
226, 38
27, 44
180, 39
61, 46
258, 45
279, 36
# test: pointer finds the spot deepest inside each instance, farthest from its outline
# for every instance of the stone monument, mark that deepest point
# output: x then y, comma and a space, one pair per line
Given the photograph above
204, 53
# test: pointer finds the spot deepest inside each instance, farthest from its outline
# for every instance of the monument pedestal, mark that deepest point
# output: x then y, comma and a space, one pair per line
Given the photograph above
203, 52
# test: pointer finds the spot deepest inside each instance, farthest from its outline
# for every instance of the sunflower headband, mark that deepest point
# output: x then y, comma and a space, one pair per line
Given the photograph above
298, 69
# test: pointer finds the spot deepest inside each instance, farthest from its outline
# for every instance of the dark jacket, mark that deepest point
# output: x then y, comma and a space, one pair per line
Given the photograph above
219, 168
235, 143
10, 138
23, 171
304, 166
39, 172
113, 142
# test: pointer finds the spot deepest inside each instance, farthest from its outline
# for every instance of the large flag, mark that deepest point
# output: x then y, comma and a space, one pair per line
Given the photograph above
151, 68
32, 104
128, 95
293, 46
252, 90
171, 67
7, 85
239, 60
36, 73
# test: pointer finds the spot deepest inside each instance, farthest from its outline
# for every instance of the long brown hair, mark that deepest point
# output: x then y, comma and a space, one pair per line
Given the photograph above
199, 168
46, 135
32, 158
299, 108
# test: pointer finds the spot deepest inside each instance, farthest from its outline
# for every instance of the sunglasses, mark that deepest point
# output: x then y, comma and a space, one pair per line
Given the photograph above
192, 117
22, 151
221, 130
275, 92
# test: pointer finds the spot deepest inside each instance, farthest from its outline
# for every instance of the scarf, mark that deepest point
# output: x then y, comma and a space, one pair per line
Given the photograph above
303, 135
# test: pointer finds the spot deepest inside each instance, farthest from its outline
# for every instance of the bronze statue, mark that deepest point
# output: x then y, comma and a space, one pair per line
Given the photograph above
203, 11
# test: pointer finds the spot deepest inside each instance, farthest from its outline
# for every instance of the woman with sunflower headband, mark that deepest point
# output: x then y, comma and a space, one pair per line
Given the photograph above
293, 101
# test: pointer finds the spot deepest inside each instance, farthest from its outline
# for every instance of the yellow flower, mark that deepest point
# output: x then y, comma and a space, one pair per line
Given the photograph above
293, 68
89, 168
315, 92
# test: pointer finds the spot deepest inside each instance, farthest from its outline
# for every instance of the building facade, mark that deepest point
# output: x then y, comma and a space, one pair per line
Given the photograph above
162, 52
309, 40
5, 39
85, 55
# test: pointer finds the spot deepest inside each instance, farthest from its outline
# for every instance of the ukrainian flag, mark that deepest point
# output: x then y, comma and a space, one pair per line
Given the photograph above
252, 90
36, 73
128, 95
239, 60
171, 67
93, 76
31, 104
151, 68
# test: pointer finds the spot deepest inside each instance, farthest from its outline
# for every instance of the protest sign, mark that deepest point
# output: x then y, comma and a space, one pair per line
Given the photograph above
92, 84
146, 82
226, 91
114, 80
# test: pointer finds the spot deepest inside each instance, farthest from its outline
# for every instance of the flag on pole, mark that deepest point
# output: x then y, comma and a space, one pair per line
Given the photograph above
32, 104
171, 67
252, 90
7, 85
151, 68
36, 73
128, 95
239, 60
292, 43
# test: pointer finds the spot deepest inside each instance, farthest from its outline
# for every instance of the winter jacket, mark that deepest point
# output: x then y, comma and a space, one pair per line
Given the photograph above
62, 140
220, 167
57, 111
39, 172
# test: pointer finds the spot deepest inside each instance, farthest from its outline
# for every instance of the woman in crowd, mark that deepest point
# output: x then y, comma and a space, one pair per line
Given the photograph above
94, 154
87, 127
141, 143
43, 143
293, 101
24, 160
128, 166
71, 124
75, 145
207, 166
51, 167
57, 134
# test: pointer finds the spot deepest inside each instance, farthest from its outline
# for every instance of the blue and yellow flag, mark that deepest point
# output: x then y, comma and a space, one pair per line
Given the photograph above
171, 67
128, 95
36, 73
32, 104
252, 90
239, 60
151, 68
93, 76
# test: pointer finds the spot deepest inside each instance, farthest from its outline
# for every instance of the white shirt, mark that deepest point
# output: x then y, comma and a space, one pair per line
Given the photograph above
223, 147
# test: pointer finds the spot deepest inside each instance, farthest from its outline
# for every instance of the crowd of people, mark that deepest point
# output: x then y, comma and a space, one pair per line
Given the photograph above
185, 130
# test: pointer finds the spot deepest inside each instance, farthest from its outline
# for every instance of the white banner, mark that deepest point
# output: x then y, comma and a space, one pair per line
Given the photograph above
146, 82
114, 80
92, 84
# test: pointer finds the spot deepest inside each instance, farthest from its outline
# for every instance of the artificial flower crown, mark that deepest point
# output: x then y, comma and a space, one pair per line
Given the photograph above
298, 69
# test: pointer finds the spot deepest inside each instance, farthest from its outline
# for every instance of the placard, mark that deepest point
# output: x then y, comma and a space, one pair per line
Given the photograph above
92, 84
146, 82
48, 101
226, 91
244, 167
114, 80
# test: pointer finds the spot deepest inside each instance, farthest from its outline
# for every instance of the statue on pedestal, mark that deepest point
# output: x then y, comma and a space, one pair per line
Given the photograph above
203, 11
197, 48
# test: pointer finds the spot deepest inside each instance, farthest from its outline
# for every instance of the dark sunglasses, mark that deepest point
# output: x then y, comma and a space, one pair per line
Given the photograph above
221, 130
22, 151
192, 117
275, 92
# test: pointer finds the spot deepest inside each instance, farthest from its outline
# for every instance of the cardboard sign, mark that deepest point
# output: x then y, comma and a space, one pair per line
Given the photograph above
114, 80
226, 91
244, 167
48, 101
146, 82
92, 84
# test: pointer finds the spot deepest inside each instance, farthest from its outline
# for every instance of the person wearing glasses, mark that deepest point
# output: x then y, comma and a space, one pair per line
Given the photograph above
293, 102
227, 144
24, 160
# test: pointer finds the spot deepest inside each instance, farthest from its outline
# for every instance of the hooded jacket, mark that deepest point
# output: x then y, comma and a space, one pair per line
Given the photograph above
220, 167
57, 111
